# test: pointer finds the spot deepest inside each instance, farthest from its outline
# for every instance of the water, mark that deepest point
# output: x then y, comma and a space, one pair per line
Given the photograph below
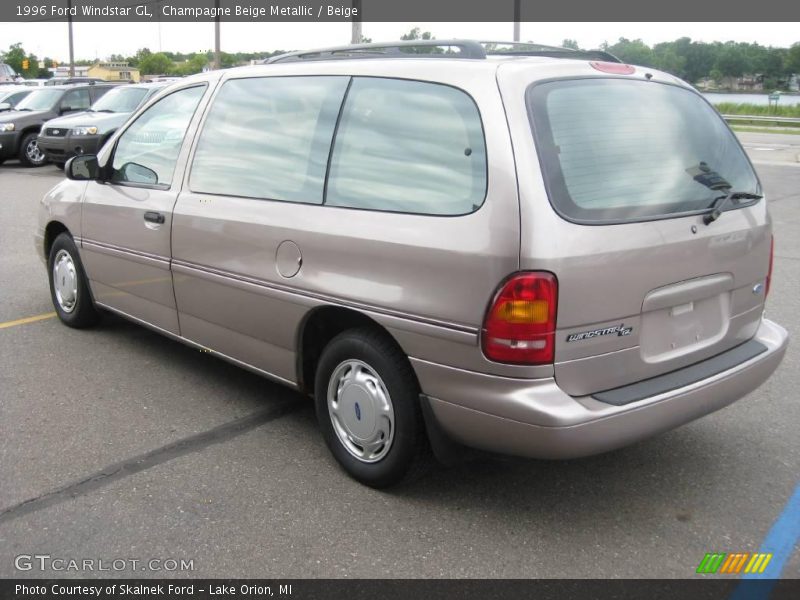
760, 99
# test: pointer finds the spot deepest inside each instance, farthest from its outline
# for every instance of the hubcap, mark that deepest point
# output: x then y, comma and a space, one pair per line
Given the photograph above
361, 411
65, 281
33, 153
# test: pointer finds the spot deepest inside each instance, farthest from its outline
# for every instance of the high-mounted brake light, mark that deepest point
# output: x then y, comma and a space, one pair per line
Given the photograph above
615, 68
521, 322
769, 270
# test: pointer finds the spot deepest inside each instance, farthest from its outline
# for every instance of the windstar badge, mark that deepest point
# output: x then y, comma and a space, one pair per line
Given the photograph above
619, 330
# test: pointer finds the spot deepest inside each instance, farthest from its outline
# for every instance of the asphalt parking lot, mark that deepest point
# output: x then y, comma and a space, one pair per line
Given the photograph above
118, 443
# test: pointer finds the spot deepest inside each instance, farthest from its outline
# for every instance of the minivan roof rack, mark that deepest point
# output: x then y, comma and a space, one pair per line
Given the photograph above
469, 49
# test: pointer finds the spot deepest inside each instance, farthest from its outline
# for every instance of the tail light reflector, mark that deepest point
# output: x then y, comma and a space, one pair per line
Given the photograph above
520, 324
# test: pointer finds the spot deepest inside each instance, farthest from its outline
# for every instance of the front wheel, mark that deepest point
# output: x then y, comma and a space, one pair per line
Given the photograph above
68, 288
367, 404
30, 155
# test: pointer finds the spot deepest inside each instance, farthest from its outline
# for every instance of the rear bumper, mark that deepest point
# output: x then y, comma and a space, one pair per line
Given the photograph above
535, 418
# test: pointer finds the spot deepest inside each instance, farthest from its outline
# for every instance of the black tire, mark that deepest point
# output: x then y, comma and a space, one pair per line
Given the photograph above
78, 312
26, 156
408, 452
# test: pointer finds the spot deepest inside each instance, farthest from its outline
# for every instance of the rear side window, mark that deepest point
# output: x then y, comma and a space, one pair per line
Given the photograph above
615, 150
269, 138
408, 146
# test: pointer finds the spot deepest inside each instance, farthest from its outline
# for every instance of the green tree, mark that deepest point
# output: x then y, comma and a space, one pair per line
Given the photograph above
155, 64
634, 52
570, 44
666, 58
415, 34
140, 55
793, 59
14, 57
193, 65
700, 59
732, 61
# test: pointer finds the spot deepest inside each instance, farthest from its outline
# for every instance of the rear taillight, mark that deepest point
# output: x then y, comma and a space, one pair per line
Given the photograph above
769, 271
520, 325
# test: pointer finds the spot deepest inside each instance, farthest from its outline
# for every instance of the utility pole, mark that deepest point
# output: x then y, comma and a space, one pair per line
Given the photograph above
217, 54
356, 37
517, 17
71, 45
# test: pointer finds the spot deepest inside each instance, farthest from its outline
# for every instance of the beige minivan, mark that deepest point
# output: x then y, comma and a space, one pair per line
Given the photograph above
523, 249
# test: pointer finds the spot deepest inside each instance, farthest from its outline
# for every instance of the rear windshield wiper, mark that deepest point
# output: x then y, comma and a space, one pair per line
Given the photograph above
715, 210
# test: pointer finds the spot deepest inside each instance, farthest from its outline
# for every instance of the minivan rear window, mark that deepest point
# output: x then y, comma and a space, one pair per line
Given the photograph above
617, 150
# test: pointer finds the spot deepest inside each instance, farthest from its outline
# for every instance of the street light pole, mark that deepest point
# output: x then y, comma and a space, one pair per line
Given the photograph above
517, 17
356, 37
71, 45
217, 53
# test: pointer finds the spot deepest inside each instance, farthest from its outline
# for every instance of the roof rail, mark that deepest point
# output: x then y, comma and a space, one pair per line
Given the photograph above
403, 49
531, 49
469, 49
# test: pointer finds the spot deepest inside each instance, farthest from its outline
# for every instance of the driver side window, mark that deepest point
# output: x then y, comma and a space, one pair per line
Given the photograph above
147, 151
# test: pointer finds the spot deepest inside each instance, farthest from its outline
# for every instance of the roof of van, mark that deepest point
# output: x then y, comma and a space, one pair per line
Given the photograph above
532, 61
441, 49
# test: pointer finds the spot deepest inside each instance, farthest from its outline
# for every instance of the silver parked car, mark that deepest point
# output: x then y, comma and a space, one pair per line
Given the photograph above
541, 252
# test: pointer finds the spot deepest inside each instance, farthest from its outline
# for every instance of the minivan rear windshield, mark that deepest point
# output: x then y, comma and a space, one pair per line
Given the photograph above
618, 150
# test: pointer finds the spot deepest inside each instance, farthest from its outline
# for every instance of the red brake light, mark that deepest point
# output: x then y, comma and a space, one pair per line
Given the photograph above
769, 271
520, 325
615, 68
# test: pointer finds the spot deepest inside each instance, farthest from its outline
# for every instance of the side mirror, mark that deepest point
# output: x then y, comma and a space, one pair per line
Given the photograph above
5, 106
82, 168
65, 109
136, 173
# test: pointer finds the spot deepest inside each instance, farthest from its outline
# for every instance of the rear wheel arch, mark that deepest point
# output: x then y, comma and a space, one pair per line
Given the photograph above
321, 325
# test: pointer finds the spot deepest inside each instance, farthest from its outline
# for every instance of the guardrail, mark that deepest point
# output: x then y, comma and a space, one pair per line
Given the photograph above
790, 121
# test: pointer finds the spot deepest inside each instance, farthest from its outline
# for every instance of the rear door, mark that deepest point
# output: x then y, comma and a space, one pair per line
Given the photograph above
619, 178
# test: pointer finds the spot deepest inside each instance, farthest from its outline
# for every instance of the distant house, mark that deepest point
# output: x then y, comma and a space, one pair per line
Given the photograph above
746, 83
62, 72
114, 71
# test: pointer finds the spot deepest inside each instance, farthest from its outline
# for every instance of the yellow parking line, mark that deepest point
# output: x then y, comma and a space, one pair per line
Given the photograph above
27, 320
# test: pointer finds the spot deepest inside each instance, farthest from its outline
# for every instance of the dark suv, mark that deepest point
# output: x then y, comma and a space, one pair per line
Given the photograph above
85, 132
20, 127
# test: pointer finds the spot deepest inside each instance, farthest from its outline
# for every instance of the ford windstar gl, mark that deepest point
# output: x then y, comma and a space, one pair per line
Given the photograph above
523, 249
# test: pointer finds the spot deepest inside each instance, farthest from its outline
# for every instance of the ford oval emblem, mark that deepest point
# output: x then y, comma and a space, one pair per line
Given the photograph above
358, 411
56, 132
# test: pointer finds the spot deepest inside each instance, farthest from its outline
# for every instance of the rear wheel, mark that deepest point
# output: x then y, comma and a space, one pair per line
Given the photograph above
68, 288
30, 155
367, 404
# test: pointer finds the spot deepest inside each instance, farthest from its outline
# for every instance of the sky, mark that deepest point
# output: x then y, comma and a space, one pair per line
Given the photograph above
99, 40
